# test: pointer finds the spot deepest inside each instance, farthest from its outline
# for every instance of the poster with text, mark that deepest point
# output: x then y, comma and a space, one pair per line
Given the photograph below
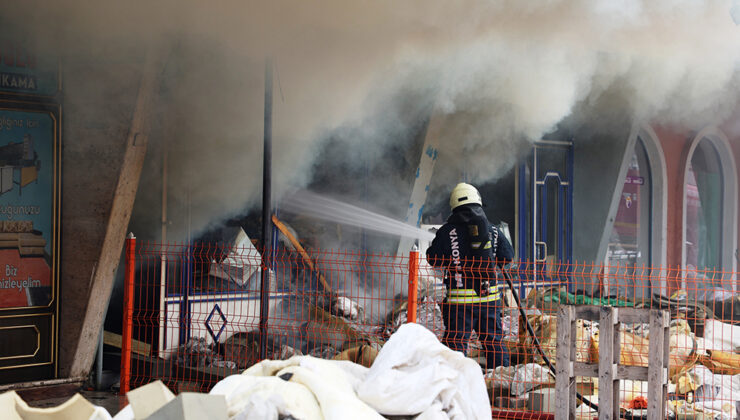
28, 207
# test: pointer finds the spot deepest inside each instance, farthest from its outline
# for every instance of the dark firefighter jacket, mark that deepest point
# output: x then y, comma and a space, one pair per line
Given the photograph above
468, 246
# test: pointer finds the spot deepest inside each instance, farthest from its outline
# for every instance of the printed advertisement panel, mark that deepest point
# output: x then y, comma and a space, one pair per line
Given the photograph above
28, 207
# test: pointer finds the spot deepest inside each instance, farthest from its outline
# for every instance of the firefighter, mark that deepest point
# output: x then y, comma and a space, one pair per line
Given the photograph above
468, 247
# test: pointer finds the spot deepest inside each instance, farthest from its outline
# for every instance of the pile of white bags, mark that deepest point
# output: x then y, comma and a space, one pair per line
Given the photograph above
413, 375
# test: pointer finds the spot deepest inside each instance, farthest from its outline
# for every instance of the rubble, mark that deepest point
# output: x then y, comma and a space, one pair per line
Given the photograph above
704, 379
327, 329
324, 352
197, 352
243, 349
428, 314
510, 326
363, 355
520, 379
545, 327
345, 307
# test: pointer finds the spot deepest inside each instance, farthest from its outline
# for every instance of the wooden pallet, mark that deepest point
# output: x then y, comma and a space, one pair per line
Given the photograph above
608, 370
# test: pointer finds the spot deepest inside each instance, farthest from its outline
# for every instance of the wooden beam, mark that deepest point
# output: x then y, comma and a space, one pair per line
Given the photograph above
115, 340
43, 383
608, 359
588, 312
658, 360
306, 258
120, 214
629, 315
565, 403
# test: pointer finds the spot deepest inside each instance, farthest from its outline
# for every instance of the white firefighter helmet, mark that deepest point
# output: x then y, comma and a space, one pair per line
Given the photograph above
464, 194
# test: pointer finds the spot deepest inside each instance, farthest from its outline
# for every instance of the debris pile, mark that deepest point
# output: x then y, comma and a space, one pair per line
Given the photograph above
704, 368
197, 352
346, 308
428, 314
243, 349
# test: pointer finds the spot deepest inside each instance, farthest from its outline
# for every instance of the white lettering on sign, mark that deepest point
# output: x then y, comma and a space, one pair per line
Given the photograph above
11, 211
11, 283
456, 258
17, 81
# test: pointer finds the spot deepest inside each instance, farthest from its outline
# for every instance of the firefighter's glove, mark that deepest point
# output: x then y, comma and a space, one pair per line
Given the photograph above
485, 287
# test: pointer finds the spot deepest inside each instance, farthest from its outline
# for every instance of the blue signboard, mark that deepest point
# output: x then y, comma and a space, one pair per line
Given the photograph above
22, 71
28, 206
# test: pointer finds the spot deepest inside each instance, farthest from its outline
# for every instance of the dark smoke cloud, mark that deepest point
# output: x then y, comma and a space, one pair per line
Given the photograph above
502, 73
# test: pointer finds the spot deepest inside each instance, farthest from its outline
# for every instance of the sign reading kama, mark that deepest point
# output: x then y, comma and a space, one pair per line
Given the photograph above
21, 71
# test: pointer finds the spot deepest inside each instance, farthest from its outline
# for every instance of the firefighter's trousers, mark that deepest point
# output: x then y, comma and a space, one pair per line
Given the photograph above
483, 317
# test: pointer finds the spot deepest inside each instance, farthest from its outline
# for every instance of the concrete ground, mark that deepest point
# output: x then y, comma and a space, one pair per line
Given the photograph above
106, 399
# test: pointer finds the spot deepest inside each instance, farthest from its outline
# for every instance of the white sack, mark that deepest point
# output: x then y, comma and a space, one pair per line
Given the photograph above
331, 382
416, 374
347, 308
266, 397
729, 385
530, 376
721, 336
501, 376
520, 379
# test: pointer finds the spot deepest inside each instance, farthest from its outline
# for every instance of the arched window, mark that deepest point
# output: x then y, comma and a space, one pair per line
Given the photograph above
710, 218
635, 243
704, 209
629, 243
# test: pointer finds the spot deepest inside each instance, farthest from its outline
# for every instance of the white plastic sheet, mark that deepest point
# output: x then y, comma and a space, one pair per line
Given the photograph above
530, 376
521, 379
415, 374
720, 336
331, 382
727, 390
266, 397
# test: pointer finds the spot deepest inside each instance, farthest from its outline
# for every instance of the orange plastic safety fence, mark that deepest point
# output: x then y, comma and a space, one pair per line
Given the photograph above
196, 318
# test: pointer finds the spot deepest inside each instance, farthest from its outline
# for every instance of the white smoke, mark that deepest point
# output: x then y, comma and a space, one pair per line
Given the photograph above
502, 72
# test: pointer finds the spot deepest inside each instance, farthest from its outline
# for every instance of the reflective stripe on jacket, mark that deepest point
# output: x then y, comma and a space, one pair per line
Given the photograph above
470, 296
